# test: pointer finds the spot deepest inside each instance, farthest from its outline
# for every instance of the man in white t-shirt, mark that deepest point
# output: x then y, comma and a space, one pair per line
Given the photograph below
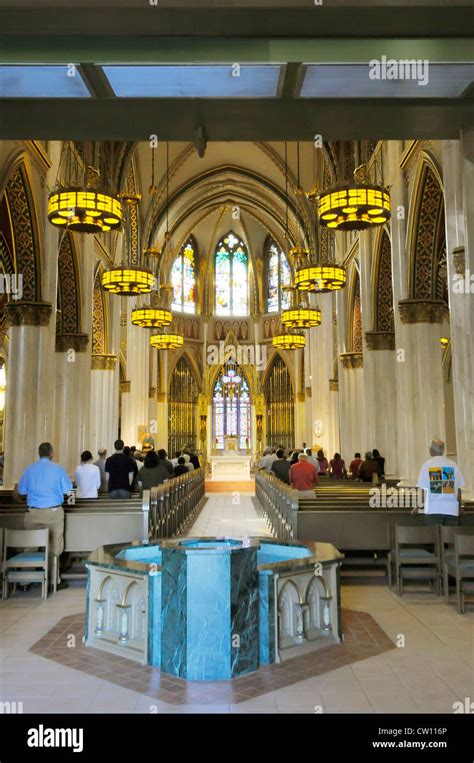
87, 477
441, 481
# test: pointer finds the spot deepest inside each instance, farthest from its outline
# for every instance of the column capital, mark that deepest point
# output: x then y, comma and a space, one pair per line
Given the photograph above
352, 359
76, 342
380, 340
124, 386
300, 396
459, 260
151, 391
161, 397
334, 385
422, 310
103, 362
28, 313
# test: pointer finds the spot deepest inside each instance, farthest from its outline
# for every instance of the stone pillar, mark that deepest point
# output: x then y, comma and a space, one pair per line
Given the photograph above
324, 419
352, 414
381, 391
421, 394
27, 388
71, 399
104, 403
135, 403
458, 178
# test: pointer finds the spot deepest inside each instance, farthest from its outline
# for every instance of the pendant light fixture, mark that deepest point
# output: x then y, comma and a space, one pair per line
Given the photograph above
318, 271
355, 205
300, 314
82, 201
129, 279
288, 338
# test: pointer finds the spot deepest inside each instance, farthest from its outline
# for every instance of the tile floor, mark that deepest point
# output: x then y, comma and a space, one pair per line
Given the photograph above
431, 668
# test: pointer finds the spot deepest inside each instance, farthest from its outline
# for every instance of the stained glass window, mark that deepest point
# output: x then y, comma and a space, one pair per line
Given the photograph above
183, 279
231, 276
231, 411
278, 275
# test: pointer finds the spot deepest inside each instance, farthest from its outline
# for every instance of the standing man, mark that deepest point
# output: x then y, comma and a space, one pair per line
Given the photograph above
441, 481
281, 467
102, 453
45, 483
120, 471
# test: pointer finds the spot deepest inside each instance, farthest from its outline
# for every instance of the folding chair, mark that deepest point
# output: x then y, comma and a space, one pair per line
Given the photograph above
462, 566
26, 566
411, 559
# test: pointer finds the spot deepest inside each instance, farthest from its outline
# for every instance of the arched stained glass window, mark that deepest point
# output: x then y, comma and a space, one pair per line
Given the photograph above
278, 275
183, 279
231, 410
231, 276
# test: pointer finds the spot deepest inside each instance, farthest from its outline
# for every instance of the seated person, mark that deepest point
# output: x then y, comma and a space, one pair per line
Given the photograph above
311, 459
162, 454
303, 476
87, 476
380, 461
368, 468
153, 472
337, 467
181, 467
187, 461
323, 464
281, 467
354, 466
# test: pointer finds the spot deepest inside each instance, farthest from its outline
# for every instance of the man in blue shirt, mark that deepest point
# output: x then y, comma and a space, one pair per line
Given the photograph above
45, 483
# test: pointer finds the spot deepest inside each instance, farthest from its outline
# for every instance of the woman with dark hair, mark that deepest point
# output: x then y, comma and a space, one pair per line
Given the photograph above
323, 463
294, 457
153, 472
379, 460
337, 467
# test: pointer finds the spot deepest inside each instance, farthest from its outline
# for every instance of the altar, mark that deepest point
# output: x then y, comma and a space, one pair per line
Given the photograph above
234, 467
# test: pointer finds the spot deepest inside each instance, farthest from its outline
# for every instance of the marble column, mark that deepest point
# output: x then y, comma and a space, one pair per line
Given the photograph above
324, 418
29, 329
104, 403
381, 391
71, 399
135, 403
458, 178
420, 390
352, 416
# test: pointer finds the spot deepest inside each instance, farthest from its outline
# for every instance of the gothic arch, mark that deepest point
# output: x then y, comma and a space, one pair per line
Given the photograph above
279, 394
427, 238
191, 362
26, 240
100, 317
355, 313
382, 283
69, 288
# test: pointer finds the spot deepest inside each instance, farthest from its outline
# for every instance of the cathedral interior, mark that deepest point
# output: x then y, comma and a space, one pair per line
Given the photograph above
222, 244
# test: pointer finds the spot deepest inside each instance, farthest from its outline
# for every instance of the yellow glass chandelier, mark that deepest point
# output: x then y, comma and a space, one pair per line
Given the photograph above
166, 341
158, 313
322, 277
130, 278
353, 206
300, 314
128, 281
80, 202
289, 341
84, 210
